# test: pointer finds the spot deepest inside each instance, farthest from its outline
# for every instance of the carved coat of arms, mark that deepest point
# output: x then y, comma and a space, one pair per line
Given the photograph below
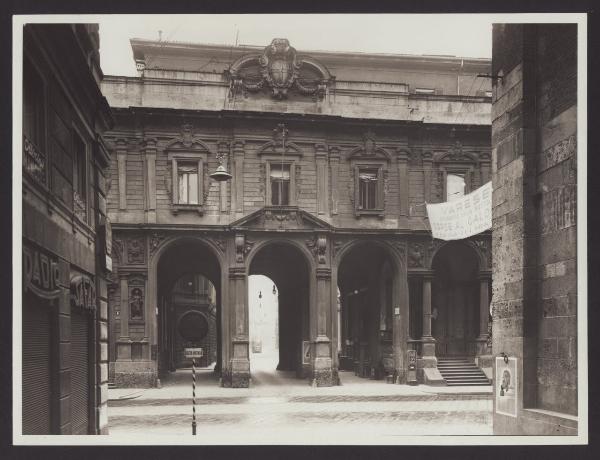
280, 67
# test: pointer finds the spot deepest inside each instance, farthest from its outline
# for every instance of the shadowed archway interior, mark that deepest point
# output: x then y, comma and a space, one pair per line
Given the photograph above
189, 295
366, 284
455, 297
289, 270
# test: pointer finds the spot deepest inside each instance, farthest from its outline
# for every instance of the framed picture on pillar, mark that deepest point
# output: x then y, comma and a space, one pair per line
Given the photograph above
506, 386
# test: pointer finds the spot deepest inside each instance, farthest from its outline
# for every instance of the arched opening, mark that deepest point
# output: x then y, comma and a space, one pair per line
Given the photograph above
263, 316
288, 269
366, 278
455, 300
188, 308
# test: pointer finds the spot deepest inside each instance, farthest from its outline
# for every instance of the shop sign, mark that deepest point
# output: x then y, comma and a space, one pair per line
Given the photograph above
34, 161
106, 235
41, 273
83, 292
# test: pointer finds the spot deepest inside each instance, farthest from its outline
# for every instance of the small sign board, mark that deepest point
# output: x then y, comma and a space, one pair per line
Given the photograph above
306, 352
412, 359
193, 352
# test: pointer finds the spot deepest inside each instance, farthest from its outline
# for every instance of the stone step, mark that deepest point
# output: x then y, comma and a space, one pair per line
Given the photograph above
461, 371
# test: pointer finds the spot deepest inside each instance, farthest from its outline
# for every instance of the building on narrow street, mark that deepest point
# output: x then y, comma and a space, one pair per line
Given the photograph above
534, 140
66, 236
333, 156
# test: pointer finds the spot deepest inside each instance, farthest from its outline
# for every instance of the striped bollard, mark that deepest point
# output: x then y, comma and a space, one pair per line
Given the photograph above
193, 396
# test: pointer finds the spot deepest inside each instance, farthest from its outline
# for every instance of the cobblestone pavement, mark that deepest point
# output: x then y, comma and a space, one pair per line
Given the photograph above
280, 409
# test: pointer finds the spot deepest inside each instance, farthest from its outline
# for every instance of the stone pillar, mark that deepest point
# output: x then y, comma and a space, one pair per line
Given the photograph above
150, 176
427, 339
238, 374
427, 170
334, 161
124, 343
403, 182
237, 197
322, 179
223, 149
320, 318
122, 172
431, 375
400, 327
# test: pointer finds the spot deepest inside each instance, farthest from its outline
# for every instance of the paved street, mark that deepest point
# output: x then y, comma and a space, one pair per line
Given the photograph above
281, 409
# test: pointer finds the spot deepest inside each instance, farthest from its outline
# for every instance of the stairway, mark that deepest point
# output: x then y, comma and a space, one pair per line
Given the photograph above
461, 371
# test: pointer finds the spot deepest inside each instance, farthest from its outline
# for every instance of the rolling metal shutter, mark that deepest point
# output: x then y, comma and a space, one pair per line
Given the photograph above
80, 371
36, 366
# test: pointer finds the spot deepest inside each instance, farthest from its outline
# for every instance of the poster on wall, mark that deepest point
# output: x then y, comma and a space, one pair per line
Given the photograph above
506, 386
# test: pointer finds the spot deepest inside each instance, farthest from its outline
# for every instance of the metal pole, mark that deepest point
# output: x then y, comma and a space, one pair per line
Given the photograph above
193, 396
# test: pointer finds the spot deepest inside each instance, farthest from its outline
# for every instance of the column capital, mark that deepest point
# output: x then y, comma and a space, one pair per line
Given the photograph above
428, 275
484, 275
237, 272
323, 273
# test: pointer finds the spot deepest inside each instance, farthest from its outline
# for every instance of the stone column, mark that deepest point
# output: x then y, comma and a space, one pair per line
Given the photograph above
400, 326
239, 362
322, 179
334, 160
150, 175
322, 372
122, 172
237, 197
427, 170
403, 182
223, 148
428, 342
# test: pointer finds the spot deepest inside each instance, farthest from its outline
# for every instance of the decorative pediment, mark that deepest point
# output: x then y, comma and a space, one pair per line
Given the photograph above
456, 153
187, 141
369, 150
280, 68
280, 218
275, 148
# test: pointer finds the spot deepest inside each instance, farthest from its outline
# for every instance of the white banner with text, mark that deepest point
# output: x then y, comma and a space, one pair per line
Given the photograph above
463, 217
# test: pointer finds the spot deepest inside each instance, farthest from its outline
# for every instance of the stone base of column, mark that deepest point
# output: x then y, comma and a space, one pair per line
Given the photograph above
428, 348
135, 374
323, 373
238, 375
400, 376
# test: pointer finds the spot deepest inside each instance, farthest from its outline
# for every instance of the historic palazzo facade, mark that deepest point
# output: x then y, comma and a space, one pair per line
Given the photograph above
333, 157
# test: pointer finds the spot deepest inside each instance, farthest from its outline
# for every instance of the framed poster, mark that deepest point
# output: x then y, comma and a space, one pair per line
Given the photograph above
506, 386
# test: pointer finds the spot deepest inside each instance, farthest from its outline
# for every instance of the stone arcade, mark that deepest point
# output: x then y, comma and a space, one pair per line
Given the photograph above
333, 156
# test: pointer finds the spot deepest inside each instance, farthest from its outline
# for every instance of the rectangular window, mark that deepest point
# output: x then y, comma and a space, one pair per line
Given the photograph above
368, 183
280, 184
187, 174
424, 91
34, 156
79, 177
455, 186
33, 105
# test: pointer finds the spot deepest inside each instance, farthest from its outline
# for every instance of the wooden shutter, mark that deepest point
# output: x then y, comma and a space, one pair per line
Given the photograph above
80, 371
37, 382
